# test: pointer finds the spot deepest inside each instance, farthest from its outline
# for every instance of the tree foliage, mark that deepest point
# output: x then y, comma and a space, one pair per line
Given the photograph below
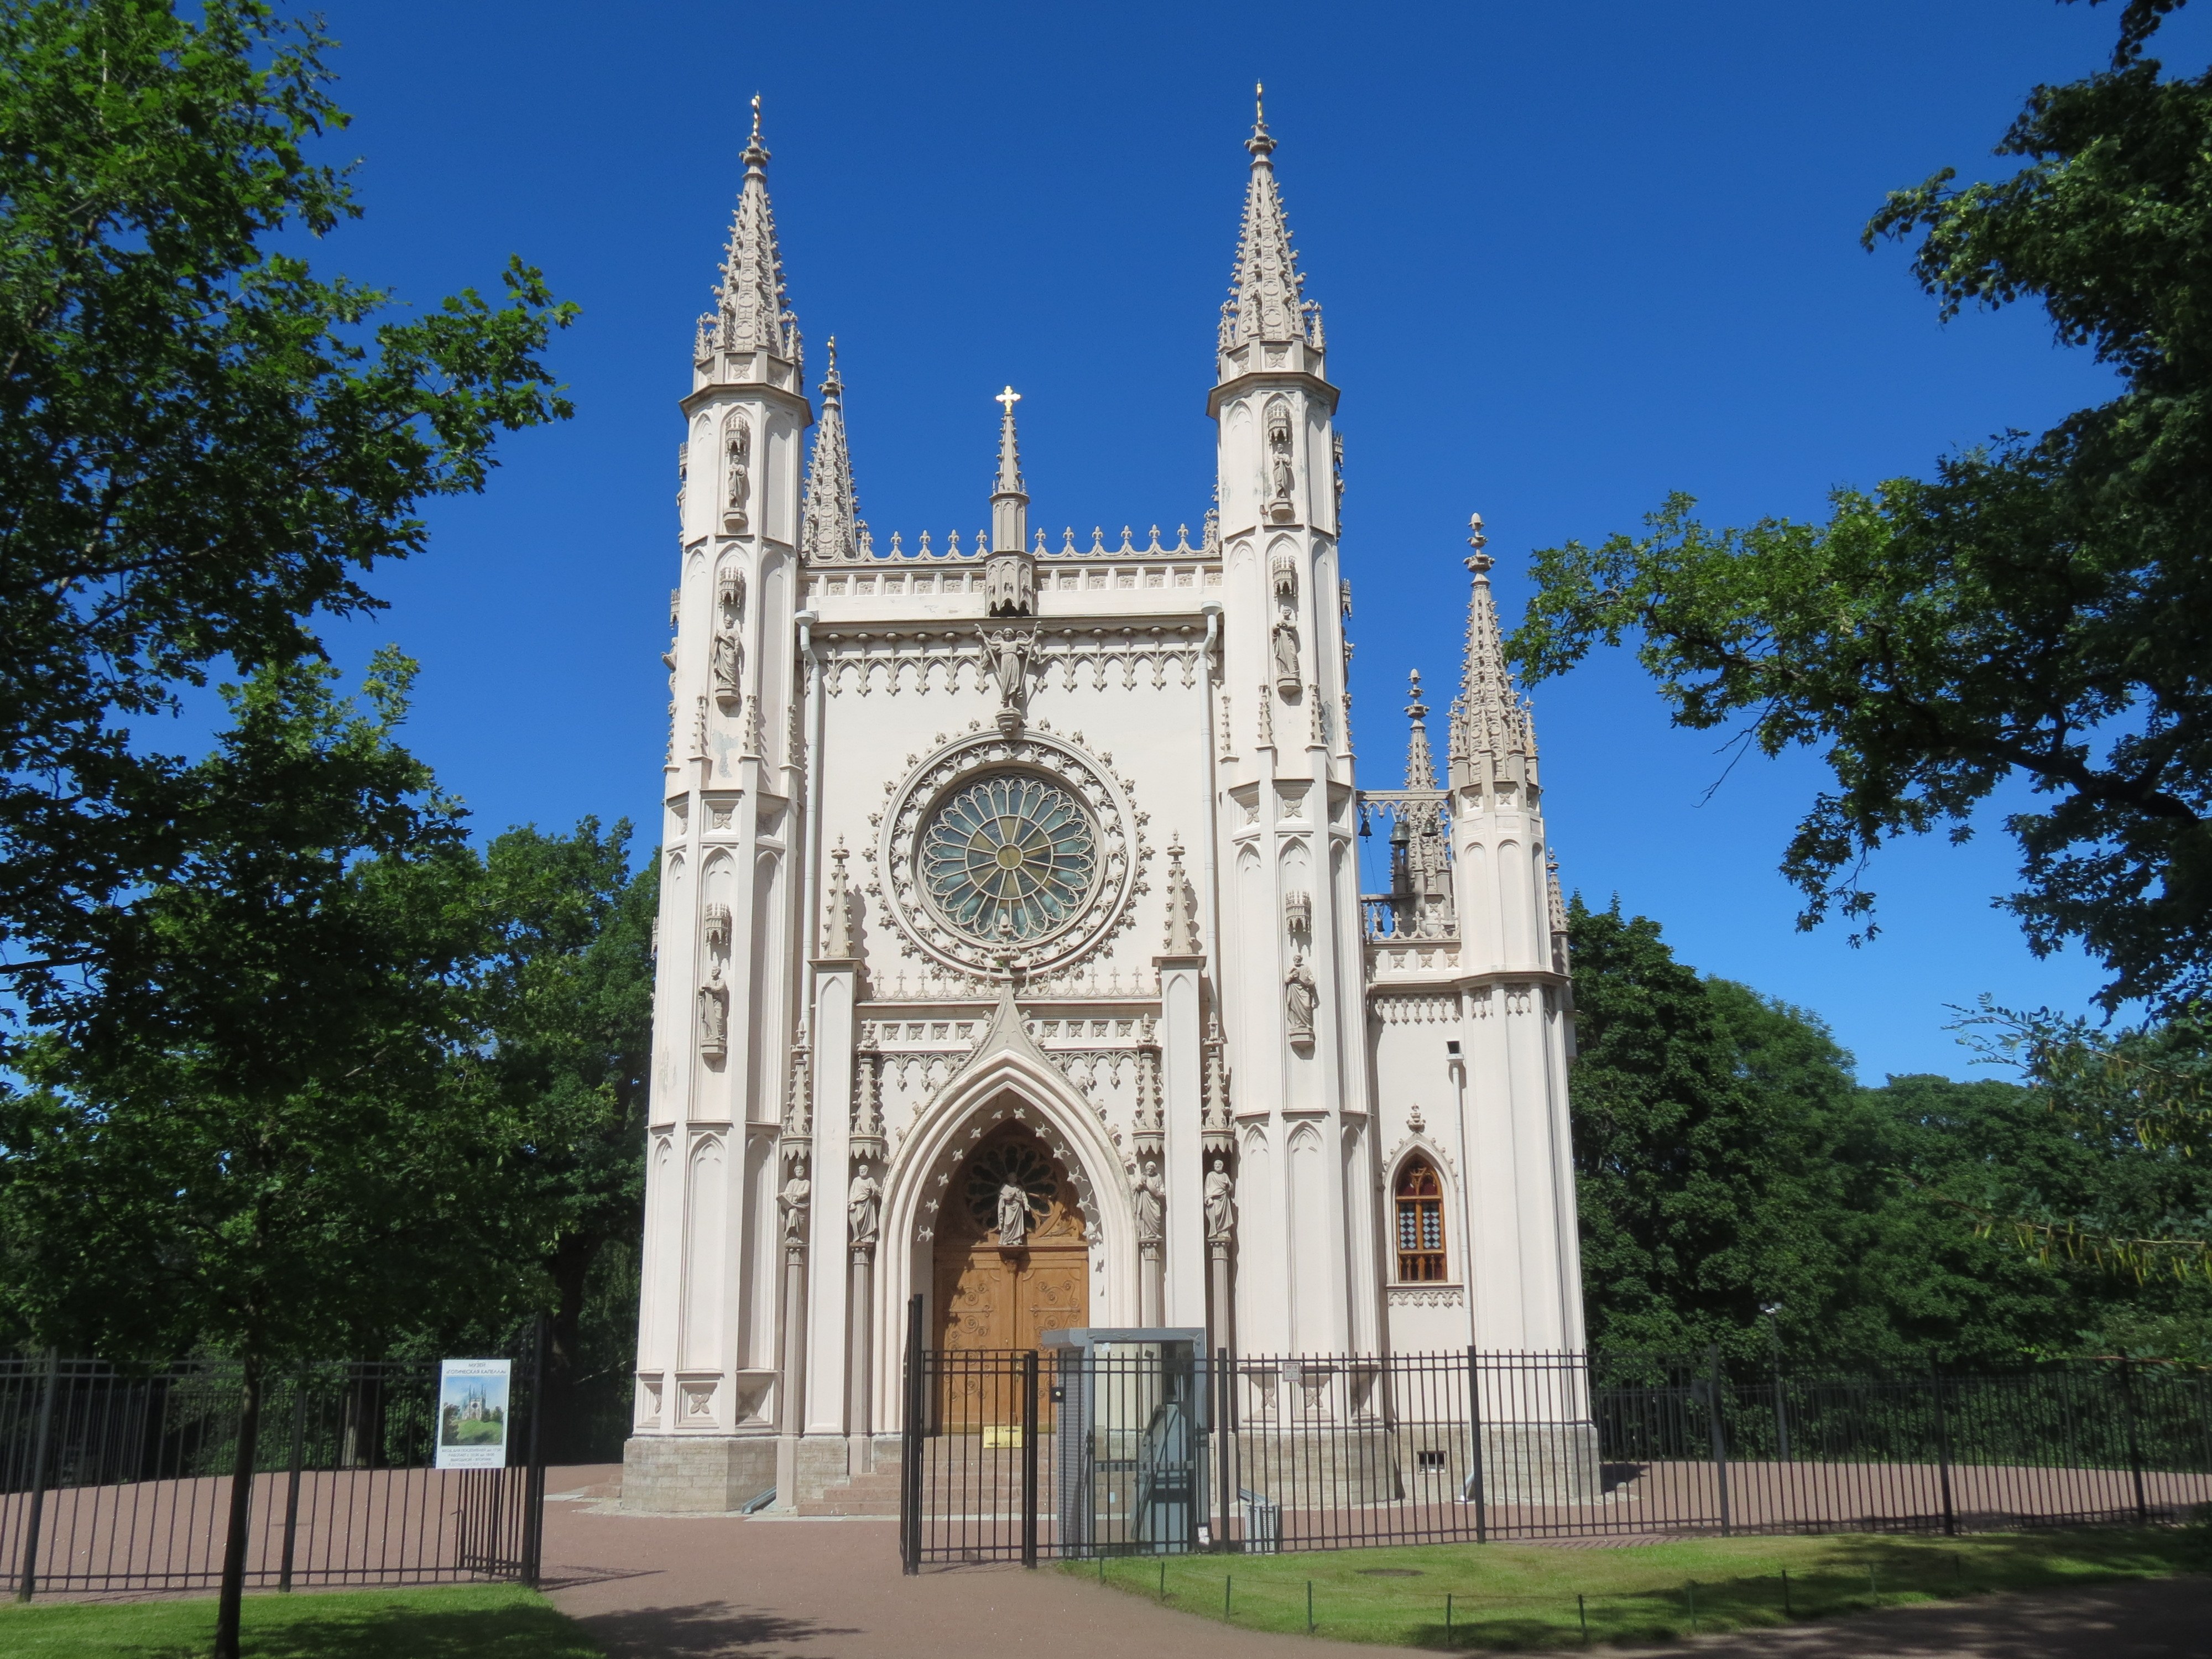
1727, 1161
566, 990
203, 445
258, 1132
2040, 608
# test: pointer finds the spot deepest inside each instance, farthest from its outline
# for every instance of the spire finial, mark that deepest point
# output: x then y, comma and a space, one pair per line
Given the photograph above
756, 154
1259, 143
1482, 561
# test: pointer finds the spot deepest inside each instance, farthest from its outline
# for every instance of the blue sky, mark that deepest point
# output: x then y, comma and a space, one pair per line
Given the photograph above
1571, 257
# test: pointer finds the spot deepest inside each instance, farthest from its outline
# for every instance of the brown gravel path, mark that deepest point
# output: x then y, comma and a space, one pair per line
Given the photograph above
717, 1587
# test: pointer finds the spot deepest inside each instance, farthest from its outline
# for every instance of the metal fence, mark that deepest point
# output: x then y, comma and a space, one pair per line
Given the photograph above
1016, 1456
113, 1481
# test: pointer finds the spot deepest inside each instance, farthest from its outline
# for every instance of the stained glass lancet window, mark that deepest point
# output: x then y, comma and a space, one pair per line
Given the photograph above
1011, 857
1420, 1203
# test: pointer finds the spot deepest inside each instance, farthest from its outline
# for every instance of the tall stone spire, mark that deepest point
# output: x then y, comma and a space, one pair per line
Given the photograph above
1266, 302
1420, 768
831, 528
1490, 718
1009, 501
751, 311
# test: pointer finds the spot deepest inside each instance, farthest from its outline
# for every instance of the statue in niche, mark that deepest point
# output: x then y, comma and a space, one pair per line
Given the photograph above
1298, 999
729, 667
1278, 462
739, 452
1220, 1202
1006, 654
863, 1207
1287, 678
791, 1202
1148, 1201
1013, 1216
713, 1013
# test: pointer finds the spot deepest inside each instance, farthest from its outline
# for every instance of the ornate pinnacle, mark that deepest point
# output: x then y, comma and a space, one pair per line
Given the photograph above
1182, 940
1492, 719
830, 527
837, 944
1265, 297
1420, 768
750, 310
1009, 499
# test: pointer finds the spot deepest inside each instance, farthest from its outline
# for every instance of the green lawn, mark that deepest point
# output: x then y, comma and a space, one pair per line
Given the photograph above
472, 1621
1524, 1595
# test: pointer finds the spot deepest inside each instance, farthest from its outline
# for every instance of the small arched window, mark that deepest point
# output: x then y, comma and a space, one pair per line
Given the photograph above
1420, 1206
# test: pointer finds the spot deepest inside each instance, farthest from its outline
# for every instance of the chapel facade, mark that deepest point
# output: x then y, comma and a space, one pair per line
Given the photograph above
1012, 952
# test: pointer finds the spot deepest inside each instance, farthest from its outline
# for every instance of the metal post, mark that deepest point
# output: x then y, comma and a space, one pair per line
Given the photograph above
292, 1479
2134, 1441
1943, 1450
28, 1585
533, 1484
910, 1445
1028, 1458
1224, 1438
1474, 1481
1720, 1435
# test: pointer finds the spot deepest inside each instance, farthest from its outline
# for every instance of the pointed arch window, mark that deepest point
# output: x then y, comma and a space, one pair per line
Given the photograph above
1420, 1217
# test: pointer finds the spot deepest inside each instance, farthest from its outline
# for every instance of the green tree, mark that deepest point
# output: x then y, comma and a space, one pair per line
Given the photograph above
2040, 608
1698, 1111
258, 1130
2135, 1103
204, 447
567, 1002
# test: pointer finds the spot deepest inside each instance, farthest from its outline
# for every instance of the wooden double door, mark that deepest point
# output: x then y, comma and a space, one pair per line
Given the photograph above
995, 1298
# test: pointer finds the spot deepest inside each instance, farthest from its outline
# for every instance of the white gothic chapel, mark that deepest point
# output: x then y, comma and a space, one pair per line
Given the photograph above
1012, 952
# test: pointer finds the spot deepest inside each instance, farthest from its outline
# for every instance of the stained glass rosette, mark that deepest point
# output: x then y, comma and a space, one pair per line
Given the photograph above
1012, 857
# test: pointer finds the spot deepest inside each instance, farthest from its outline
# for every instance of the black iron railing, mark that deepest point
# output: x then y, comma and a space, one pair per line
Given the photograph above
115, 1479
1146, 1455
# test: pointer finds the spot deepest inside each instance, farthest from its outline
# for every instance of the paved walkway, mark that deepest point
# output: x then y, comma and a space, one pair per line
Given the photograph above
717, 1587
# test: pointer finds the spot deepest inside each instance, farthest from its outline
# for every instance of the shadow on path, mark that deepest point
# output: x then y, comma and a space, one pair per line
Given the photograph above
706, 1629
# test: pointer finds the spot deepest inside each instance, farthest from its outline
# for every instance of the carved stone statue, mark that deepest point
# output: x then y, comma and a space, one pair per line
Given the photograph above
1147, 1200
1220, 1203
729, 667
1299, 998
713, 1013
740, 454
1286, 656
863, 1207
1007, 654
792, 1203
1013, 1216
1278, 453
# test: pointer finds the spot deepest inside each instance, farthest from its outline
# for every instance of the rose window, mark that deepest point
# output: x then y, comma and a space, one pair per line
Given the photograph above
1011, 858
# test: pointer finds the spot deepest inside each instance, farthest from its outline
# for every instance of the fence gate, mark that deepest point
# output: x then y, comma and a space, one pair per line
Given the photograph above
115, 1480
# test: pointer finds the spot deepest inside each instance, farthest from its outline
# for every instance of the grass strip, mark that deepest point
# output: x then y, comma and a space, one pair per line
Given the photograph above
1507, 1597
466, 1621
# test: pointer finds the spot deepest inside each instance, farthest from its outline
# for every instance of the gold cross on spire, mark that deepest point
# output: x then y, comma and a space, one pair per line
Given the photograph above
1009, 398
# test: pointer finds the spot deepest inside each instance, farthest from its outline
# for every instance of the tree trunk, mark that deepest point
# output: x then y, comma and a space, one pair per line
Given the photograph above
571, 1268
242, 1507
